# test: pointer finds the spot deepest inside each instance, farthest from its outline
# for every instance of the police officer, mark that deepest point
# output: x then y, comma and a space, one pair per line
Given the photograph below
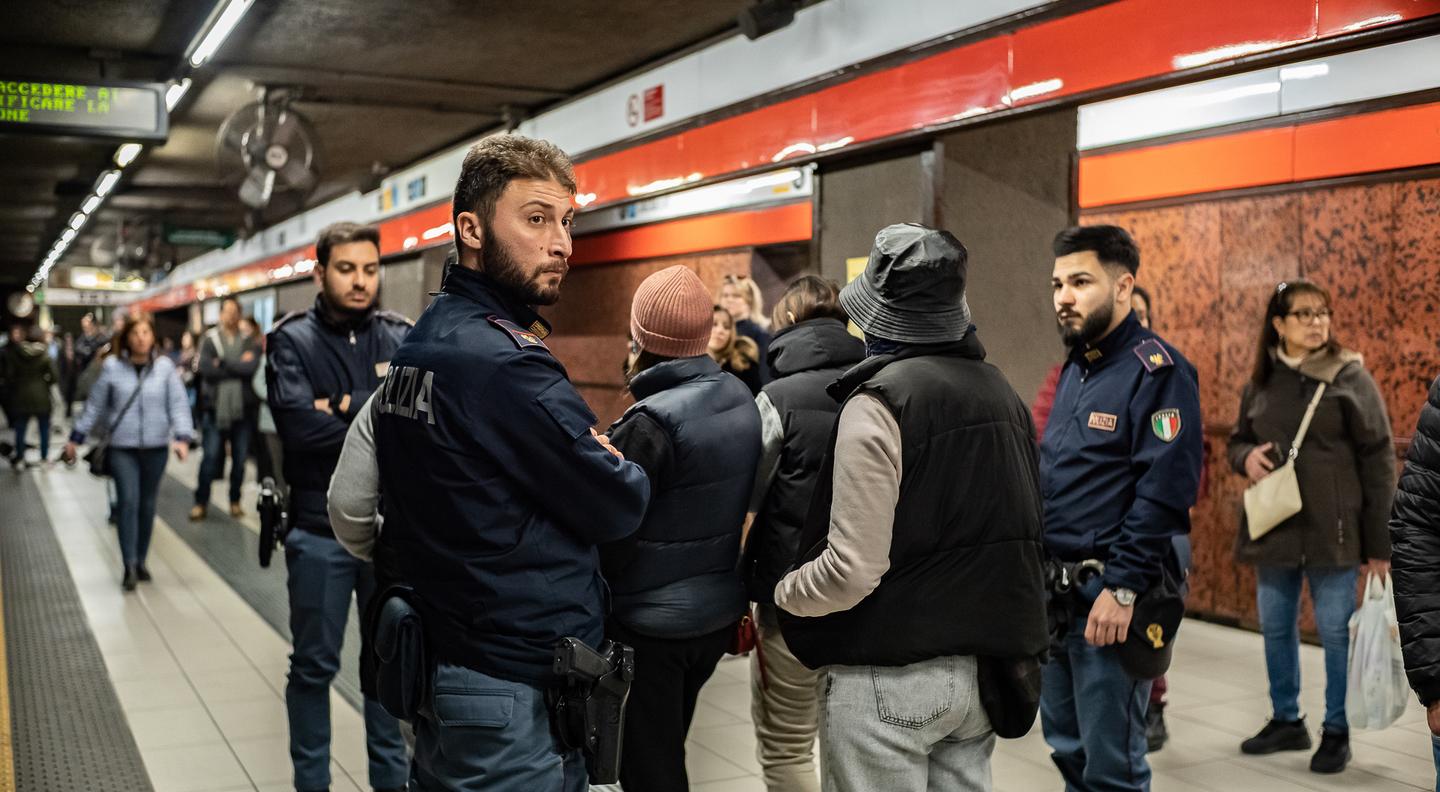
322, 366
1120, 464
496, 487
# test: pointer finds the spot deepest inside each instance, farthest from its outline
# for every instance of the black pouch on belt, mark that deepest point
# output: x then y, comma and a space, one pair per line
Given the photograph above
402, 662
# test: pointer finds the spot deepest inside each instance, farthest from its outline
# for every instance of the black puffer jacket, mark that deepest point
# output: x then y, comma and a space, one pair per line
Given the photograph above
1415, 542
805, 359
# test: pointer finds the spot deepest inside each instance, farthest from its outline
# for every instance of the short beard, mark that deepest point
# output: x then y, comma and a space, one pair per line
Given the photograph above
1091, 329
509, 274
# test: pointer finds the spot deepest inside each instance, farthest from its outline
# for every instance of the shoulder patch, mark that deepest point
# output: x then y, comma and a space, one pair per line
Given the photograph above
522, 337
1153, 355
396, 317
293, 315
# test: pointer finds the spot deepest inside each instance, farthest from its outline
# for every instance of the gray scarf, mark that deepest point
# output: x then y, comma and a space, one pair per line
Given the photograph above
229, 393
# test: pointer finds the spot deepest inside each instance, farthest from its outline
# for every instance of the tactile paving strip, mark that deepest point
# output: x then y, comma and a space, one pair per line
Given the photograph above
69, 732
233, 551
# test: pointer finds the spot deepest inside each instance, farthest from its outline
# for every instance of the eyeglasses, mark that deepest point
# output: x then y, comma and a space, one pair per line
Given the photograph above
1307, 316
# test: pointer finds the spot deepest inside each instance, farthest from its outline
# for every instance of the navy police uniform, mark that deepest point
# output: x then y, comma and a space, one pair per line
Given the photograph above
1120, 466
312, 355
495, 497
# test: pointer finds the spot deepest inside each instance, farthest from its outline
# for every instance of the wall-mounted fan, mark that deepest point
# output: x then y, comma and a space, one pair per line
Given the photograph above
268, 149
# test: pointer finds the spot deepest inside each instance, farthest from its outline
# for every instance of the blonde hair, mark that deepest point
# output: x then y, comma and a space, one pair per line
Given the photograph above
741, 353
750, 292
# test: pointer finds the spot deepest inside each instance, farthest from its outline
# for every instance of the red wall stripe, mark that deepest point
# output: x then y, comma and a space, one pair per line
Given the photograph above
787, 223
1367, 143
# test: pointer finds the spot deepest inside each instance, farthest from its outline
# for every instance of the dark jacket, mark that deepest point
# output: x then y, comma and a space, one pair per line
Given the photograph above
311, 355
1415, 537
1346, 468
1121, 456
696, 432
214, 368
495, 492
805, 359
752, 330
966, 561
28, 374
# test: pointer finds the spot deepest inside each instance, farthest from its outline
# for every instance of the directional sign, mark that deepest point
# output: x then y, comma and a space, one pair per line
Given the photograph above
199, 237
133, 111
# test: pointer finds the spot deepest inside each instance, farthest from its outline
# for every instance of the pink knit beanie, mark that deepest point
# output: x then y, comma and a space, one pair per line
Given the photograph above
672, 314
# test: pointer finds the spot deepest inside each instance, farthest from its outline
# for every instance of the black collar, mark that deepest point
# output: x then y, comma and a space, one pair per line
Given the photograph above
968, 347
666, 375
341, 321
464, 282
1126, 336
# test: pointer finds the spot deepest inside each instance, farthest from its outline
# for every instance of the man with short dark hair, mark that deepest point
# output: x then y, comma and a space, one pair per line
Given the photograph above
321, 367
496, 488
1120, 464
228, 359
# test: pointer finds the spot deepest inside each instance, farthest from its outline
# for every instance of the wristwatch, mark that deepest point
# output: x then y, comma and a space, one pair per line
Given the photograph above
1124, 596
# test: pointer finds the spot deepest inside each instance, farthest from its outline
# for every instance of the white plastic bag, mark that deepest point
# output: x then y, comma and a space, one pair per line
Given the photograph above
1376, 692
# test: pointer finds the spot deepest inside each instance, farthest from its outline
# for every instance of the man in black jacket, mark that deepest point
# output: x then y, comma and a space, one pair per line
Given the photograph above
922, 549
1415, 561
322, 366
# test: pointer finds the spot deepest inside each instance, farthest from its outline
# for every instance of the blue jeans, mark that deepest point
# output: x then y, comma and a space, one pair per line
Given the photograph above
137, 474
213, 439
483, 733
322, 577
22, 422
1332, 590
1093, 715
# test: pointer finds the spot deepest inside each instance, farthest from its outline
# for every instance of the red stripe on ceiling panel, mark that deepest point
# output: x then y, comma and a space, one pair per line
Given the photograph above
787, 223
1241, 160
1111, 44
1339, 17
1388, 140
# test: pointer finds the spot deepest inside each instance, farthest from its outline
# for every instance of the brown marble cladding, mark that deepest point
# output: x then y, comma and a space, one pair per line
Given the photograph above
1213, 265
592, 321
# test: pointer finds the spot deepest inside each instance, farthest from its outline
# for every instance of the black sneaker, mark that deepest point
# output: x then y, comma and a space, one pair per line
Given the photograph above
1155, 732
1333, 753
129, 582
1278, 735
142, 573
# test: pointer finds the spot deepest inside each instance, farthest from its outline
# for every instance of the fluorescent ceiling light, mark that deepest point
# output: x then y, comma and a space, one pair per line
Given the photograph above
176, 93
106, 183
224, 25
78, 219
67, 236
127, 153
91, 204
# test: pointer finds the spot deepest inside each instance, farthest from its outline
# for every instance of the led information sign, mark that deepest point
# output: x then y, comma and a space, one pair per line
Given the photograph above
122, 110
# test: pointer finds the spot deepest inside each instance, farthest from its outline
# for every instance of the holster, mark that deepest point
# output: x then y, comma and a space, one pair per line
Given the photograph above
587, 707
401, 669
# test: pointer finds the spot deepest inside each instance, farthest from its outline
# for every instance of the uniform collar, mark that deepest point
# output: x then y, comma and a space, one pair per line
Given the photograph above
465, 282
340, 321
1090, 356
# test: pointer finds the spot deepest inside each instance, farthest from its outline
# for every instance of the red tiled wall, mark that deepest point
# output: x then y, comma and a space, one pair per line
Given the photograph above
1212, 265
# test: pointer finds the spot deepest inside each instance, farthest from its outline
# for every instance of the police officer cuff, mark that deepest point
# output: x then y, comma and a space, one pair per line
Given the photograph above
1114, 580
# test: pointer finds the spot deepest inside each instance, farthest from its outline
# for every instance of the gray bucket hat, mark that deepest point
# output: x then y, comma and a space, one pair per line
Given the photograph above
913, 287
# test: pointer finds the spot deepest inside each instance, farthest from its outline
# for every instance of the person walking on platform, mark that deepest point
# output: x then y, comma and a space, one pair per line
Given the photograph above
1120, 464
322, 365
929, 495
228, 359
140, 400
1346, 475
740, 296
810, 350
676, 594
497, 489
29, 374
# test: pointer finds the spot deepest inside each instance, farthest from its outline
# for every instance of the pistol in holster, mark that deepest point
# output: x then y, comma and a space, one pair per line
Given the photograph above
587, 707
274, 519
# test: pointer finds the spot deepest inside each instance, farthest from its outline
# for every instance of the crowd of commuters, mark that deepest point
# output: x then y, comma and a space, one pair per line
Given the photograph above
450, 479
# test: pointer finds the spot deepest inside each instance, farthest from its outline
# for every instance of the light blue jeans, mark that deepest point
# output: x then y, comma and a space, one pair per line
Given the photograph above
906, 728
1332, 590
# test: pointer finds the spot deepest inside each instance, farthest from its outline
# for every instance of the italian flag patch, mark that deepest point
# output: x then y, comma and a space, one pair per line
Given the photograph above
1166, 424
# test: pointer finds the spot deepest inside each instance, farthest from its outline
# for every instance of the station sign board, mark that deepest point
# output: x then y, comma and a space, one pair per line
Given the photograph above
129, 111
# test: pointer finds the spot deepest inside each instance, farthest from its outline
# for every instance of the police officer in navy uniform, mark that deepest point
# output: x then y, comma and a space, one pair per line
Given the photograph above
1120, 465
496, 488
321, 366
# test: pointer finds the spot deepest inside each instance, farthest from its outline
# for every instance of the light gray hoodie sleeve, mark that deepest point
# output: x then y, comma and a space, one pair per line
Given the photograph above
354, 496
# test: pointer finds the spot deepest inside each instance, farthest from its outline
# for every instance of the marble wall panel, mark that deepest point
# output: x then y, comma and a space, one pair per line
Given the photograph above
1415, 300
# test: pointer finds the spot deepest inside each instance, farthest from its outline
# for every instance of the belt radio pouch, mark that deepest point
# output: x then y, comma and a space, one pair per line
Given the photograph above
587, 708
401, 666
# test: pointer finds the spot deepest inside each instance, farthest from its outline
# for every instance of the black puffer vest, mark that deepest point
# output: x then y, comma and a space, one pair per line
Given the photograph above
966, 575
682, 581
804, 359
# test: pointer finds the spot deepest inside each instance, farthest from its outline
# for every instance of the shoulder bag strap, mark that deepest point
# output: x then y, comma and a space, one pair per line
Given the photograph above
1305, 424
120, 416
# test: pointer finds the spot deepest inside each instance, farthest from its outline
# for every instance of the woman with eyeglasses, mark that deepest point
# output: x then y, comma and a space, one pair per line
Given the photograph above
1346, 473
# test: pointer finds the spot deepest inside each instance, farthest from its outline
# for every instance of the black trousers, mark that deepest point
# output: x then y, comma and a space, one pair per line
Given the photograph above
668, 678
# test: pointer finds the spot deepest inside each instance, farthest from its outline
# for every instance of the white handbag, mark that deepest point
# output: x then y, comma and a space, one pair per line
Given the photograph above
1276, 498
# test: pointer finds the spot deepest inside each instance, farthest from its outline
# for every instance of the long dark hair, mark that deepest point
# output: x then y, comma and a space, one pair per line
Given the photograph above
1279, 307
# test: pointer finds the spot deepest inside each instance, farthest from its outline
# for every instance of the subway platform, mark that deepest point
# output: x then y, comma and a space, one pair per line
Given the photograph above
179, 686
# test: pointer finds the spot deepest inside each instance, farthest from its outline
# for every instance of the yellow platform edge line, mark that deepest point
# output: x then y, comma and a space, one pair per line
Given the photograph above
7, 756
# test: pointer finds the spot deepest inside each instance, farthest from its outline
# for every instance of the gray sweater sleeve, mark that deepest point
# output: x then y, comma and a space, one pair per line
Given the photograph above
354, 496
772, 438
862, 515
